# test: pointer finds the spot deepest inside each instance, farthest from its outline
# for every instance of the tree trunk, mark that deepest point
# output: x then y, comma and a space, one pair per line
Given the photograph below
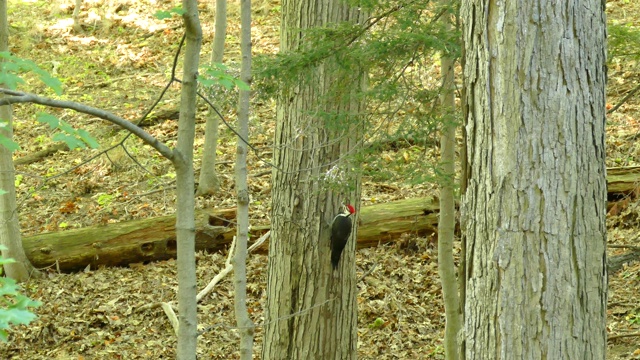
21, 269
208, 182
76, 17
183, 163
447, 220
245, 325
535, 206
311, 310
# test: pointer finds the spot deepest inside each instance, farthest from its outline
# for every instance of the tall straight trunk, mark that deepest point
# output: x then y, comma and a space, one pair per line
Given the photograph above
185, 211
9, 224
447, 220
208, 182
240, 267
311, 310
534, 210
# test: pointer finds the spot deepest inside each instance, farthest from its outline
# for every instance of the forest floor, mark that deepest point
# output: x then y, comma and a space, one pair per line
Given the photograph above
120, 61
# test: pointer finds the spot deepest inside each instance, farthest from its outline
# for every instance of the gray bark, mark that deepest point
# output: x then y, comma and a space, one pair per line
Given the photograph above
183, 162
208, 182
311, 310
245, 324
9, 224
535, 206
76, 16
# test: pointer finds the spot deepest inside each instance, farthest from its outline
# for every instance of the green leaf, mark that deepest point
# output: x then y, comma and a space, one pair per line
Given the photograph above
10, 81
71, 141
228, 84
13, 66
17, 316
48, 119
8, 143
243, 85
162, 14
87, 138
178, 10
206, 81
53, 83
6, 261
66, 127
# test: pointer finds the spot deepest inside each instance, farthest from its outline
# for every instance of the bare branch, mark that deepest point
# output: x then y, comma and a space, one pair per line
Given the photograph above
18, 97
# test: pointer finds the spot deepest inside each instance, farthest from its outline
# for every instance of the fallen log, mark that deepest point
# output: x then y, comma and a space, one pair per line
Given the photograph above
154, 239
622, 181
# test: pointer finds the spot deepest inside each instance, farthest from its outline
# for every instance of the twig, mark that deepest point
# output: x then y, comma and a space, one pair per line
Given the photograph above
632, 247
173, 319
262, 173
216, 279
367, 273
260, 241
229, 265
613, 337
624, 99
155, 191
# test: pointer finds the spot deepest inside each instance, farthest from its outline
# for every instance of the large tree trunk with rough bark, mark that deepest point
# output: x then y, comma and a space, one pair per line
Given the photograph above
535, 206
311, 310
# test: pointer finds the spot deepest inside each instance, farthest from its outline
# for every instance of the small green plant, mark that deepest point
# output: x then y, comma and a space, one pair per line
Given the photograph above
634, 318
14, 307
104, 199
378, 323
18, 180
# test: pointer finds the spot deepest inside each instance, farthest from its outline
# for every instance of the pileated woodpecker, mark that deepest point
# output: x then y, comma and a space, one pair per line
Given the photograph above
340, 232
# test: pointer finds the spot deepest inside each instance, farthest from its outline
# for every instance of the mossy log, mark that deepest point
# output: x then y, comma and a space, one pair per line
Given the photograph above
622, 181
154, 239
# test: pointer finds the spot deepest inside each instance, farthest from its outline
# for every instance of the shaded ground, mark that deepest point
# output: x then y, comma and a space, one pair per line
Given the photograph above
120, 61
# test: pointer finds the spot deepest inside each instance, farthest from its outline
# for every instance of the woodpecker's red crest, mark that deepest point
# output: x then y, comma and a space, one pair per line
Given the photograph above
350, 209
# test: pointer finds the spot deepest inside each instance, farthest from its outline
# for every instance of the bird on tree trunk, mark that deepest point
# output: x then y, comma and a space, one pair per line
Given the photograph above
340, 232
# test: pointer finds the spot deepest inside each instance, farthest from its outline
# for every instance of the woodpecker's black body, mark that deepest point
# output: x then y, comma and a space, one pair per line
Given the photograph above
340, 232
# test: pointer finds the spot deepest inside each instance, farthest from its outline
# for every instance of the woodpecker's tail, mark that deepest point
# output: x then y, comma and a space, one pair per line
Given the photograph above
335, 259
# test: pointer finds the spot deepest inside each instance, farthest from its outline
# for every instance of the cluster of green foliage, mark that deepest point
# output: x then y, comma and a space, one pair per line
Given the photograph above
221, 84
14, 307
12, 69
398, 47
